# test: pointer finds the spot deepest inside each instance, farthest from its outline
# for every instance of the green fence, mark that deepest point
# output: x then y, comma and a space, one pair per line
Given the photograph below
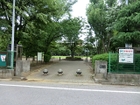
6, 59
115, 67
3, 56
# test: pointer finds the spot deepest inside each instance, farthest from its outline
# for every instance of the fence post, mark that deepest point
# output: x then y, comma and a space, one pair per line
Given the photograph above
109, 62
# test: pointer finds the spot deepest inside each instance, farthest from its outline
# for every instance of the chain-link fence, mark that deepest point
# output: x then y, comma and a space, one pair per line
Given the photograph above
115, 67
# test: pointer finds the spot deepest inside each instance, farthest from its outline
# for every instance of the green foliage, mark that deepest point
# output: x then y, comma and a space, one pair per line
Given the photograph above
38, 23
100, 19
128, 23
104, 56
71, 30
137, 62
115, 67
74, 59
111, 3
47, 57
114, 25
4, 42
59, 49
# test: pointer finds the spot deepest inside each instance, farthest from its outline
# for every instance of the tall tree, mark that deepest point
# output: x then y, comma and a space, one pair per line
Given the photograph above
128, 23
96, 17
38, 22
72, 29
101, 17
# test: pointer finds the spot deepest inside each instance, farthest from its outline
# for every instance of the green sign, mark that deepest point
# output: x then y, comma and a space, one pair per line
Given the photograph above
2, 60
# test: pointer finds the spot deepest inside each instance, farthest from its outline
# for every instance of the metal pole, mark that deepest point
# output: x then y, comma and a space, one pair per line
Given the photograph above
109, 63
13, 32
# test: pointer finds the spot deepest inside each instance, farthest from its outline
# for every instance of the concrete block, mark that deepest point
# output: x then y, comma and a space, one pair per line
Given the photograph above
131, 79
6, 73
18, 67
101, 69
25, 66
22, 68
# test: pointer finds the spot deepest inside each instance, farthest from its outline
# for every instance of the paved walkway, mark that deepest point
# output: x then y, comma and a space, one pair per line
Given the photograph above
69, 72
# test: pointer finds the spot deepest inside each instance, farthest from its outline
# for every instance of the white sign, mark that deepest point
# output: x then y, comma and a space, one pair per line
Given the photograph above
3, 58
39, 56
126, 55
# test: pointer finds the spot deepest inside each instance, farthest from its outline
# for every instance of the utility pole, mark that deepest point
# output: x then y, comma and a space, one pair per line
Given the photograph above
13, 32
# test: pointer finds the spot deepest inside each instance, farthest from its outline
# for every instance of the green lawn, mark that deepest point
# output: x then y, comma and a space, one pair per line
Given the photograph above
63, 57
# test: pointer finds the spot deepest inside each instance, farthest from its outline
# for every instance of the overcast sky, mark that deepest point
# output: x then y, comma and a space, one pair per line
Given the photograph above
79, 8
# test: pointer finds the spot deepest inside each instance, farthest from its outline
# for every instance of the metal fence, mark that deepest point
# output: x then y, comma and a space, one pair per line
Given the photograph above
6, 60
115, 67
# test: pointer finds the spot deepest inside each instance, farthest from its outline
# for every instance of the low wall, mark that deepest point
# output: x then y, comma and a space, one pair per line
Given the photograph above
124, 79
102, 76
6, 73
22, 68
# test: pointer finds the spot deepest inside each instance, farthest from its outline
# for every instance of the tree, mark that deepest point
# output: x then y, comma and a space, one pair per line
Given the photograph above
96, 14
38, 22
114, 25
101, 17
72, 29
128, 23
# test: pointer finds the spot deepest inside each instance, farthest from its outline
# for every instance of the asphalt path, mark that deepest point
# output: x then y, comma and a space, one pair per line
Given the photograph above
34, 93
69, 69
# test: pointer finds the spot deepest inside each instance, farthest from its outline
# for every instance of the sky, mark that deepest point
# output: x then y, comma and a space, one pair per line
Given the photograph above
79, 8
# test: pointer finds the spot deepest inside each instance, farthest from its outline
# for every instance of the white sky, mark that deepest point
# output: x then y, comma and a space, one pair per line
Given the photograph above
79, 8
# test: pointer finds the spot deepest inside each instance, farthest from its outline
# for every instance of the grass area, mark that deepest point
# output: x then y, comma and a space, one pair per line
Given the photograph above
57, 57
63, 57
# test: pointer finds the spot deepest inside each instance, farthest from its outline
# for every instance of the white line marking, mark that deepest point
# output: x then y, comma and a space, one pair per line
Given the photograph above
71, 89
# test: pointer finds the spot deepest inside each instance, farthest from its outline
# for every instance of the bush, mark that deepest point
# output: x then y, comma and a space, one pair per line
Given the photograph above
75, 58
137, 62
47, 58
105, 56
100, 57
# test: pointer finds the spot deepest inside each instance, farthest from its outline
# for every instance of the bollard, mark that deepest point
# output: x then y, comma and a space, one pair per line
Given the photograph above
60, 72
79, 72
45, 71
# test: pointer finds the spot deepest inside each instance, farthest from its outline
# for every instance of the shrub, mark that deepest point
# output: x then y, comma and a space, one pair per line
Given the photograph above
75, 58
47, 57
105, 56
137, 62
100, 57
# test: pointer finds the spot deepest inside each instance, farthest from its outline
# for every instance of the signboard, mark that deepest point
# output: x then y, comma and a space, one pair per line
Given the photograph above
39, 56
2, 60
126, 55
